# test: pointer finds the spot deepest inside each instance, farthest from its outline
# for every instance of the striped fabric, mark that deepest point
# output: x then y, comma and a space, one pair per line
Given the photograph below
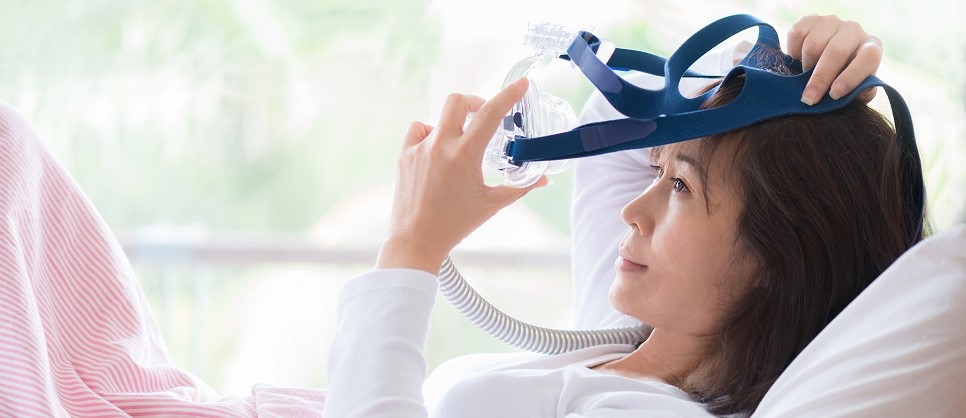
76, 335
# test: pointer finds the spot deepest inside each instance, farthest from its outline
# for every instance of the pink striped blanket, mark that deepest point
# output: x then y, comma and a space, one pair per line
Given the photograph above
76, 335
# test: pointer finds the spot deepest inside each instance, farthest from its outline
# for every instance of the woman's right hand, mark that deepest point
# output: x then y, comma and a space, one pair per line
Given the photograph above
841, 52
440, 193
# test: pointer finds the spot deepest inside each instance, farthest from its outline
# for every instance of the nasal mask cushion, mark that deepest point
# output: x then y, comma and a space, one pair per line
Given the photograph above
541, 130
537, 114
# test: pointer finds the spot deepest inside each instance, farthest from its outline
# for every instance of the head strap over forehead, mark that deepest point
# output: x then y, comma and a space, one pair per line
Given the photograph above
664, 116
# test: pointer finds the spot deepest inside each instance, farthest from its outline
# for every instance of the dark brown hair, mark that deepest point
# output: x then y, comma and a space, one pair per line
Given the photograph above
823, 215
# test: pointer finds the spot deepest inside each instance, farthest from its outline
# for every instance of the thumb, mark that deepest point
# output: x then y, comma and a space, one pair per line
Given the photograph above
506, 195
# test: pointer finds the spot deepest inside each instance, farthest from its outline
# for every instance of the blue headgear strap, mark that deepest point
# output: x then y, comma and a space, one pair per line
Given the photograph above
660, 117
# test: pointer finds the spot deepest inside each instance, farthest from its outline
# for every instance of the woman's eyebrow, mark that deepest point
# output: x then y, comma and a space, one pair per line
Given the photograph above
693, 162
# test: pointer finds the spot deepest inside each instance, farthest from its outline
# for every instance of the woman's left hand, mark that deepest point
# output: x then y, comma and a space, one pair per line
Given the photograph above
841, 53
440, 194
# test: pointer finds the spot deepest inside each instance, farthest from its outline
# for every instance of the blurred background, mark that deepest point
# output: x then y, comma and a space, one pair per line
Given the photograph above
244, 151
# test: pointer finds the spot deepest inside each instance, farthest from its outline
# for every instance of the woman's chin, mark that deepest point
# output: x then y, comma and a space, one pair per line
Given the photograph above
628, 296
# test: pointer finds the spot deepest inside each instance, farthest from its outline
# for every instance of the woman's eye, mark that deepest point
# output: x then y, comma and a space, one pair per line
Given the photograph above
679, 185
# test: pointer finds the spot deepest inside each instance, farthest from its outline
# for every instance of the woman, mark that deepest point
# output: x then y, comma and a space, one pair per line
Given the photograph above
712, 249
739, 236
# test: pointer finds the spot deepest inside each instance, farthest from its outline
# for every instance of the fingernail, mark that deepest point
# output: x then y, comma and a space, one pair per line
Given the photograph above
810, 97
520, 81
837, 89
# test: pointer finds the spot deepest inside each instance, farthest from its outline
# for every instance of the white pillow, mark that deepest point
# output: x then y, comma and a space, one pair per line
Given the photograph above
898, 350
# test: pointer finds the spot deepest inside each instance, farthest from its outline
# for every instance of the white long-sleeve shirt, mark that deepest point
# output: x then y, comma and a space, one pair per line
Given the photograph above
377, 366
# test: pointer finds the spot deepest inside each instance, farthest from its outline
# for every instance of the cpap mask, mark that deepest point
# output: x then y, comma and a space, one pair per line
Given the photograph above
540, 133
538, 113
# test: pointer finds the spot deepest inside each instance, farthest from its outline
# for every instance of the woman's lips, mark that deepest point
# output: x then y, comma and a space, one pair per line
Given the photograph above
623, 263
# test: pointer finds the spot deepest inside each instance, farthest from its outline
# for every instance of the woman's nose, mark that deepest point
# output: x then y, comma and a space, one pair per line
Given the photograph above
640, 213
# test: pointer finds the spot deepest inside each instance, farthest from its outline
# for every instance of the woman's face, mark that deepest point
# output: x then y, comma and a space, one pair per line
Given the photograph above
681, 265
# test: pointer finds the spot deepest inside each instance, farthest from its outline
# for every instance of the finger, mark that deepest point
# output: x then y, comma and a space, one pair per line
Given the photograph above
796, 35
454, 113
505, 195
490, 116
817, 39
828, 67
839, 51
865, 63
417, 132
867, 95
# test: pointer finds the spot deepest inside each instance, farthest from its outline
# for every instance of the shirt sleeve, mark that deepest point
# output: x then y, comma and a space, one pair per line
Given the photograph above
377, 362
603, 185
